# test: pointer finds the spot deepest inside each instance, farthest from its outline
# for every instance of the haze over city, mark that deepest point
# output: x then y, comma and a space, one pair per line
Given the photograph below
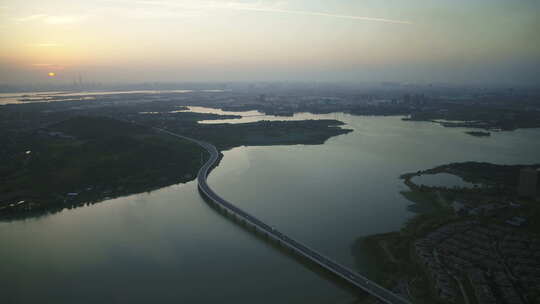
293, 151
486, 41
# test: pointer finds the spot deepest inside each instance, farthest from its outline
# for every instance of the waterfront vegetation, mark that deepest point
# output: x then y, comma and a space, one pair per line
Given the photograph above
478, 133
496, 179
396, 266
265, 133
85, 159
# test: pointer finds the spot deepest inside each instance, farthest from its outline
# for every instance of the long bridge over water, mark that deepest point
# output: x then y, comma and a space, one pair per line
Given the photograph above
355, 279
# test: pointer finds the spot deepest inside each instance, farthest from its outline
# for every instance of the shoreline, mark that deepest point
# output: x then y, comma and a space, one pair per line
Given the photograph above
396, 254
28, 202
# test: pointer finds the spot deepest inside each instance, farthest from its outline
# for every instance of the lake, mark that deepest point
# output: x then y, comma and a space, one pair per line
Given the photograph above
170, 246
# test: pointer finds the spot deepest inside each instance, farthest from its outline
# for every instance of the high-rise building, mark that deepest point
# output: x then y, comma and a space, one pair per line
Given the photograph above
528, 182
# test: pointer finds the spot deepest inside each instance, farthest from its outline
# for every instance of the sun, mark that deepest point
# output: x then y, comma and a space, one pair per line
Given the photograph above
51, 74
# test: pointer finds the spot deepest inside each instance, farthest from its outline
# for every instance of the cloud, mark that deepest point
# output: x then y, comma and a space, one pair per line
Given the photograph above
31, 18
50, 19
49, 44
276, 9
62, 19
49, 66
160, 15
322, 14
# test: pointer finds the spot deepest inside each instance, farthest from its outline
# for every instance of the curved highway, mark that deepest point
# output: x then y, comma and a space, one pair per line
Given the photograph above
348, 275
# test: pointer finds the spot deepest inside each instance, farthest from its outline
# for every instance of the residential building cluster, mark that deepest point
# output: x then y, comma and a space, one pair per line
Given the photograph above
501, 263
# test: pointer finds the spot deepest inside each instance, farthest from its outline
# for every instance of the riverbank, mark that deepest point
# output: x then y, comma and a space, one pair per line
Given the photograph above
394, 263
85, 160
433, 256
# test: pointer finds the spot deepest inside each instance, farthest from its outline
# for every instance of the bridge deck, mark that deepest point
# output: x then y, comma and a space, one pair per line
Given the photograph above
348, 275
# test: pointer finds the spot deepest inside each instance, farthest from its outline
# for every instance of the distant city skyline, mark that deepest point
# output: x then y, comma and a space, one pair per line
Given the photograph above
414, 41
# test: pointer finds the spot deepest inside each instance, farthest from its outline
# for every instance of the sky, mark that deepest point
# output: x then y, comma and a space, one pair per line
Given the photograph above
411, 41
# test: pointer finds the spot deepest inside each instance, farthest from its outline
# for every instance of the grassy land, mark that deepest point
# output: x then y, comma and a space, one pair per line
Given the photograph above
93, 157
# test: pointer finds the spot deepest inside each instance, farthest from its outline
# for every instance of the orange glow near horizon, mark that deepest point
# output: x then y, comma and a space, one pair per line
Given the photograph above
268, 40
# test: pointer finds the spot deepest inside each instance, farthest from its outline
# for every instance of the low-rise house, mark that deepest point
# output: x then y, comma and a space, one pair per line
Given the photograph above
484, 295
476, 277
517, 221
501, 279
511, 296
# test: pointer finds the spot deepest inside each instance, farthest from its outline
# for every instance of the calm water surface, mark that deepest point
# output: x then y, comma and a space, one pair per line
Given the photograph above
169, 246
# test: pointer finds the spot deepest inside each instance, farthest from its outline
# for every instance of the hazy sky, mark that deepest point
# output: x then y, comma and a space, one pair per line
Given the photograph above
199, 40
